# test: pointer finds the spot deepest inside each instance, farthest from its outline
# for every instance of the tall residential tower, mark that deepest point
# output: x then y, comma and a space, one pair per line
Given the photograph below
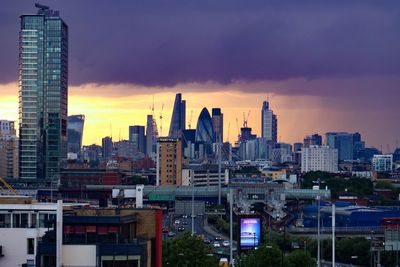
43, 94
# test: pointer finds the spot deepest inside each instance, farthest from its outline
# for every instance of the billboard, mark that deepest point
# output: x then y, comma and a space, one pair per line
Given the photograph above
250, 232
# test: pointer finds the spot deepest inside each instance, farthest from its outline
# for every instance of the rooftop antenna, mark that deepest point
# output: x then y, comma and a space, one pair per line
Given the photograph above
161, 117
190, 120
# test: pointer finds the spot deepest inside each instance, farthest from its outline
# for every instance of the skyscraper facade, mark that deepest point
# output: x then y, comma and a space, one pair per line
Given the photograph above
312, 140
43, 94
204, 128
347, 144
151, 136
137, 138
75, 133
178, 119
269, 123
8, 150
218, 124
106, 147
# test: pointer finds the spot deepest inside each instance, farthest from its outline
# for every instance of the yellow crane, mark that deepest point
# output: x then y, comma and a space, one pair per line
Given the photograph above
5, 184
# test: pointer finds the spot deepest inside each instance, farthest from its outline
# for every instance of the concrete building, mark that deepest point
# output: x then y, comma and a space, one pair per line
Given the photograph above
204, 175
8, 150
126, 149
274, 173
23, 222
382, 163
319, 158
169, 161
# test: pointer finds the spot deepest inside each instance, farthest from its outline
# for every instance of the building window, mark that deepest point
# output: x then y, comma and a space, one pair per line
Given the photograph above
31, 246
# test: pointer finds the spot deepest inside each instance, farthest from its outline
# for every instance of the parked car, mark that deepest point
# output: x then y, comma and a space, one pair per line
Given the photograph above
206, 241
177, 222
225, 243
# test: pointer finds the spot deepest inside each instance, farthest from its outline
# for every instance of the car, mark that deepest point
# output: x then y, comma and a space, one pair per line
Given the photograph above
216, 244
184, 223
206, 241
177, 222
181, 228
171, 234
225, 243
184, 216
217, 238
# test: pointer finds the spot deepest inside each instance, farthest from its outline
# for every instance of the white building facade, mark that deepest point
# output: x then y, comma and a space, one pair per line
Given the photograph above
319, 158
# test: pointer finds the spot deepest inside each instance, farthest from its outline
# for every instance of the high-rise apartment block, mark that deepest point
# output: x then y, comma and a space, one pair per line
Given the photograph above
319, 158
43, 94
169, 161
178, 119
382, 163
269, 123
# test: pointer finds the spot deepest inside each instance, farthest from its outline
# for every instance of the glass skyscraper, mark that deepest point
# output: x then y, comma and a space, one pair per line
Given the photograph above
178, 119
43, 94
137, 137
269, 123
204, 129
75, 133
218, 124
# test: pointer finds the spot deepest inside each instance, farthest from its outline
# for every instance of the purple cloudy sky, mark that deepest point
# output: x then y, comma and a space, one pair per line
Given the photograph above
346, 52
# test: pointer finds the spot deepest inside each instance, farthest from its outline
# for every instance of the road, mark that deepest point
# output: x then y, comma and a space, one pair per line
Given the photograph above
201, 229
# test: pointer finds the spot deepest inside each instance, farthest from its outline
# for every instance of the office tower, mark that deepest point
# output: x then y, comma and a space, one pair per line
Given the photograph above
281, 153
319, 158
136, 136
43, 94
151, 136
312, 140
347, 144
382, 163
8, 150
106, 147
125, 149
269, 123
169, 161
218, 124
189, 143
204, 128
75, 133
245, 134
178, 119
92, 153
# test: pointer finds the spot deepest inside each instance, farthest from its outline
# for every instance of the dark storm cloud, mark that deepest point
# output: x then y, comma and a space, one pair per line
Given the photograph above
163, 43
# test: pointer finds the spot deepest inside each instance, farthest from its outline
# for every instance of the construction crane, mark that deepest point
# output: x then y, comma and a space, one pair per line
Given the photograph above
238, 130
161, 117
245, 119
9, 188
190, 120
229, 127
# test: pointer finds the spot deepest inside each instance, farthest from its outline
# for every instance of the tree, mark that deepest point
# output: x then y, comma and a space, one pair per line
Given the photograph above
266, 255
299, 258
188, 250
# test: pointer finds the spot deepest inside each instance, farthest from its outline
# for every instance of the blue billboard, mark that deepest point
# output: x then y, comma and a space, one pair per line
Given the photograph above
250, 232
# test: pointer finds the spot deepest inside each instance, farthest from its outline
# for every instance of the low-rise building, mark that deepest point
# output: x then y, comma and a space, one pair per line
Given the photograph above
382, 163
204, 175
319, 158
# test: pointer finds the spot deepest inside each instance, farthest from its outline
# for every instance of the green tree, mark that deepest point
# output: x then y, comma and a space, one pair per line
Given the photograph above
299, 258
384, 185
266, 255
187, 250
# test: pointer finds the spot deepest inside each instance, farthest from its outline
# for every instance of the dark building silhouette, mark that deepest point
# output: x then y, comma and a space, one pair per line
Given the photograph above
137, 137
313, 140
106, 147
218, 124
178, 119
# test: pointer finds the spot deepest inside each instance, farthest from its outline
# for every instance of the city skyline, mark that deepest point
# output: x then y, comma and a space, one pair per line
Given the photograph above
311, 96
